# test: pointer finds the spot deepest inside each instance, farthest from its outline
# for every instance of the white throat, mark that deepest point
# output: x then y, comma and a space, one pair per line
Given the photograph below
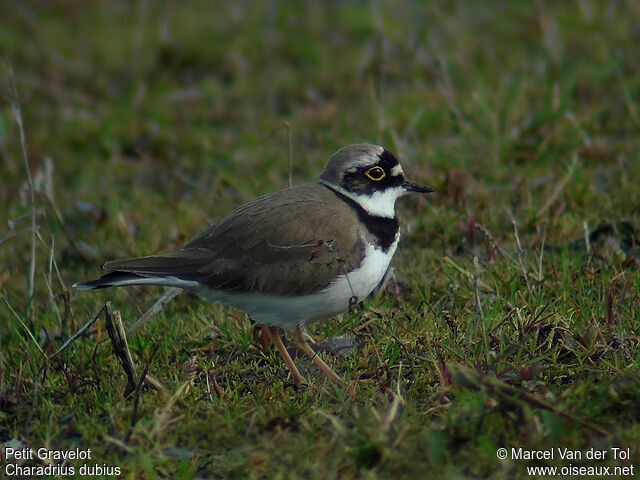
380, 204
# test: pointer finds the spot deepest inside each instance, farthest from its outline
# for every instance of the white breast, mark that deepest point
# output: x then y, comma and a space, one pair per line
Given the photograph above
288, 312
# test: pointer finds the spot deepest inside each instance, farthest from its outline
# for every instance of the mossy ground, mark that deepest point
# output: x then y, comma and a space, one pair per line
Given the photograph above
513, 319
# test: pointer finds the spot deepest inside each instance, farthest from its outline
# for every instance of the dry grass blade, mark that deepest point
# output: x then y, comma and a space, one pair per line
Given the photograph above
286, 126
508, 390
17, 113
155, 308
23, 325
163, 417
465, 375
138, 392
628, 100
84, 328
116, 332
65, 230
392, 414
525, 273
492, 241
485, 288
559, 187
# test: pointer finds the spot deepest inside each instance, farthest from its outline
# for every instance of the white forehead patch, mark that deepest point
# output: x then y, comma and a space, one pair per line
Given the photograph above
397, 170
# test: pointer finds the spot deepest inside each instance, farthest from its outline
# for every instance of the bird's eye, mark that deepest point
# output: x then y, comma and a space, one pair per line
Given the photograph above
375, 173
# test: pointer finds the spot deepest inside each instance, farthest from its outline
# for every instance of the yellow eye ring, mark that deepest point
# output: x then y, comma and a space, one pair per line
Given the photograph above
375, 173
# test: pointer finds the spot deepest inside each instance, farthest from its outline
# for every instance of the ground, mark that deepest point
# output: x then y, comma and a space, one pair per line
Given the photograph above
512, 319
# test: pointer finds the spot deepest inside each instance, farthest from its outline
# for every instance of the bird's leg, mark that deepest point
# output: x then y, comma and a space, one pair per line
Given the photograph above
265, 336
309, 339
275, 336
301, 343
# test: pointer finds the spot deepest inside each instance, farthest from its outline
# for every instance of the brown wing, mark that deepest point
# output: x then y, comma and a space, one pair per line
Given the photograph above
291, 242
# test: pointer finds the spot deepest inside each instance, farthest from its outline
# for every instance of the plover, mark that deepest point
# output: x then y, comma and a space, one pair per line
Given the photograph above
294, 256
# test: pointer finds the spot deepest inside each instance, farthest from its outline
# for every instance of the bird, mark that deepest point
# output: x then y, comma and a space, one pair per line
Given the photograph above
291, 257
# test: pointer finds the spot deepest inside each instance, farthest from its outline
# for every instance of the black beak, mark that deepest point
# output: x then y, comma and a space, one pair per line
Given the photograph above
414, 187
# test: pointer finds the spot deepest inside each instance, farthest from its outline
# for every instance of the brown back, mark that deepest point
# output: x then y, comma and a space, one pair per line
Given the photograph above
291, 242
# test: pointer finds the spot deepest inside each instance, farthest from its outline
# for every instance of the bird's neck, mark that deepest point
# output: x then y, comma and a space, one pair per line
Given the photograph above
381, 223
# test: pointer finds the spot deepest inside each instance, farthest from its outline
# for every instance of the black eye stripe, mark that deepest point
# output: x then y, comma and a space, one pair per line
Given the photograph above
355, 179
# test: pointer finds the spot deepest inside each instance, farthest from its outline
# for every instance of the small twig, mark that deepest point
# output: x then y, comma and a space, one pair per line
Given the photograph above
136, 397
505, 389
84, 328
116, 332
155, 308
468, 378
363, 325
214, 380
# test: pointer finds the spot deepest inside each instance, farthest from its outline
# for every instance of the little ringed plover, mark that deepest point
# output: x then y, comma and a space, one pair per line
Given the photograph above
294, 256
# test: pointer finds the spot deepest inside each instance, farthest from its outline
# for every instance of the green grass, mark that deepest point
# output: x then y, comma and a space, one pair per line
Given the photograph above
516, 321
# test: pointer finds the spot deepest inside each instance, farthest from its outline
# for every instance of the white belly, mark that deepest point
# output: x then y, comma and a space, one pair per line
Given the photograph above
288, 312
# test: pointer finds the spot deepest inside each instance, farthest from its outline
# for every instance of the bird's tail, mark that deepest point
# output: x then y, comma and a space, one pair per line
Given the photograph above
172, 270
117, 279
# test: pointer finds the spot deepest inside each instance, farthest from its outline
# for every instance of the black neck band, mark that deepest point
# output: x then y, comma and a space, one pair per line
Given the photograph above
383, 229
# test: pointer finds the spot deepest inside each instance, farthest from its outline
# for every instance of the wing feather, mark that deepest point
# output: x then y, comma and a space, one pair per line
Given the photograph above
292, 242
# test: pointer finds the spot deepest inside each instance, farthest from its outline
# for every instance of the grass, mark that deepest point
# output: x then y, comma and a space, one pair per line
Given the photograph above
514, 316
